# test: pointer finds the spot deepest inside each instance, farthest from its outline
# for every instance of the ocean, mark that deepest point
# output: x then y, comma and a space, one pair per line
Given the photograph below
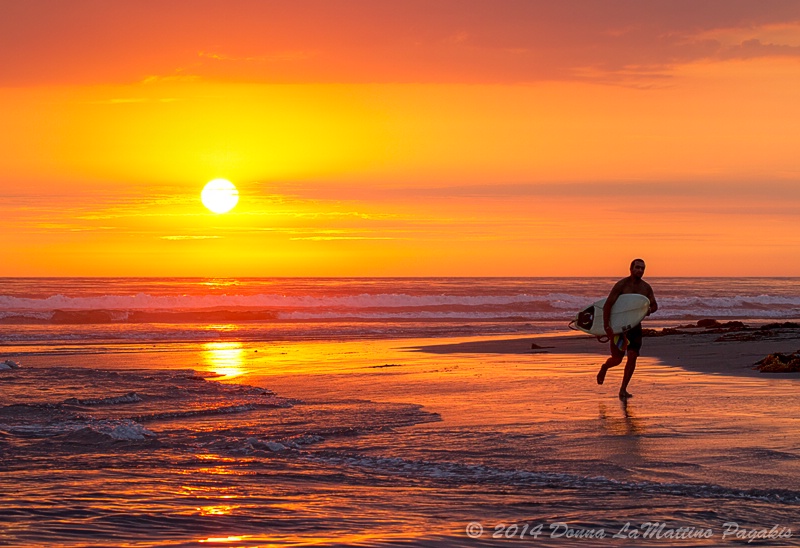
117, 310
299, 412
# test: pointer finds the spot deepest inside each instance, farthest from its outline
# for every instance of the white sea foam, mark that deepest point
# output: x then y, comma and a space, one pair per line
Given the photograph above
83, 429
38, 307
333, 304
131, 397
189, 302
459, 473
117, 429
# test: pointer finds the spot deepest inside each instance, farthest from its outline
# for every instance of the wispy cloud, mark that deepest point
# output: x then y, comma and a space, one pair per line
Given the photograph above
276, 57
180, 238
331, 238
133, 100
472, 41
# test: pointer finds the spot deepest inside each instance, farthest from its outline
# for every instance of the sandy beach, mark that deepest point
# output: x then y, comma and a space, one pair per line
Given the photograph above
403, 442
702, 423
707, 352
696, 349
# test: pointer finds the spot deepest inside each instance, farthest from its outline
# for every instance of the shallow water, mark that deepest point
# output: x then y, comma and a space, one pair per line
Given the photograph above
376, 442
189, 412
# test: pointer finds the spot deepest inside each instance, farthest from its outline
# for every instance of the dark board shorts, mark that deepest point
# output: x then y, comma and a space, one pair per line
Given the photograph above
634, 336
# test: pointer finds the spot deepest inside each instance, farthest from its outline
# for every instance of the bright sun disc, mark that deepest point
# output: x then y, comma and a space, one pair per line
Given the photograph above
219, 196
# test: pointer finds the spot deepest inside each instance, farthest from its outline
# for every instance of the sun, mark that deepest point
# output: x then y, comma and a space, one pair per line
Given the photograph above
219, 196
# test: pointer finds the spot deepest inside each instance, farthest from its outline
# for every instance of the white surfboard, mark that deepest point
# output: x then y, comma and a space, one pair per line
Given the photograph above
628, 311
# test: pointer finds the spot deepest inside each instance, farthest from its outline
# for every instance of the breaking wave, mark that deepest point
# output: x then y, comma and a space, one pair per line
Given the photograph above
60, 310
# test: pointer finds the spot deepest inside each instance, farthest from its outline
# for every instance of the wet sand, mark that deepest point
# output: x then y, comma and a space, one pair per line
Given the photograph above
414, 440
696, 350
702, 424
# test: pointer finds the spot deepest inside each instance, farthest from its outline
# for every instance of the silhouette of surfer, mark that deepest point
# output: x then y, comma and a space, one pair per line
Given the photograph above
631, 340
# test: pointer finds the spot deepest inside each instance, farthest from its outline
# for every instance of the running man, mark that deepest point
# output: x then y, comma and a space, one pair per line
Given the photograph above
630, 340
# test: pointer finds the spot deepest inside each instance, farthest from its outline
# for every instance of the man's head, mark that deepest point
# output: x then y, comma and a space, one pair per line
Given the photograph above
637, 268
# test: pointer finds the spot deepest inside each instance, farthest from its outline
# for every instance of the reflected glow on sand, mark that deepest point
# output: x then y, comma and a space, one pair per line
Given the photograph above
224, 358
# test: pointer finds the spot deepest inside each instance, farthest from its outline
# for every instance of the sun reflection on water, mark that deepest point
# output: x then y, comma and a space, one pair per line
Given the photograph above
224, 358
220, 283
217, 510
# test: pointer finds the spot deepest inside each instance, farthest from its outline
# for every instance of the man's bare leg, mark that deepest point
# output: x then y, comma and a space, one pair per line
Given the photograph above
630, 367
613, 361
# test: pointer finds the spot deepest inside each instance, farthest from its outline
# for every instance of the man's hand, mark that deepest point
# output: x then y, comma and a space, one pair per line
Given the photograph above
609, 332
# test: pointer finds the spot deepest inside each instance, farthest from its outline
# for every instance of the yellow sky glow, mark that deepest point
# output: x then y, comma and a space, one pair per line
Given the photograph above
693, 166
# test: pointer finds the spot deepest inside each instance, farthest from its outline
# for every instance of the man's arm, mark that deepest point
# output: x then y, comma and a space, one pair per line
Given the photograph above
653, 303
616, 291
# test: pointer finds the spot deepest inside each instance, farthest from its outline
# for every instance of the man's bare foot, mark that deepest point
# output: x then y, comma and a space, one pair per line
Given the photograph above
624, 395
601, 375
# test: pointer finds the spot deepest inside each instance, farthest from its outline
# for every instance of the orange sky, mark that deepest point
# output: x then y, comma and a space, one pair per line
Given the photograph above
405, 137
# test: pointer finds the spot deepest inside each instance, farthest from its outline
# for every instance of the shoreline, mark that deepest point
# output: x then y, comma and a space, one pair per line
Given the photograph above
692, 349
412, 436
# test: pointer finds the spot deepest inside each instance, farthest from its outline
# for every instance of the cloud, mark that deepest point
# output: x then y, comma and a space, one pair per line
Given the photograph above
180, 238
276, 57
133, 100
754, 48
616, 190
447, 41
332, 238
